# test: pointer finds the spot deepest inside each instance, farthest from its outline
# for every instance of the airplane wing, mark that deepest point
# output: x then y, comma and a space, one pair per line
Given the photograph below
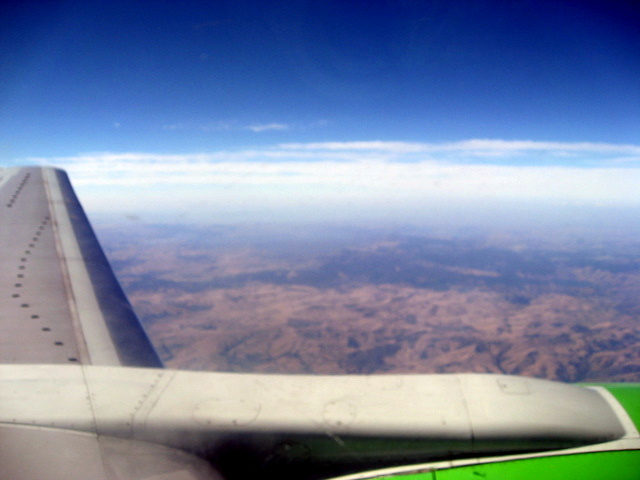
81, 395
62, 302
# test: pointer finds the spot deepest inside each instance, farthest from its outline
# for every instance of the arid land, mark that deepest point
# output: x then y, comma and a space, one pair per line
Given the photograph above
263, 300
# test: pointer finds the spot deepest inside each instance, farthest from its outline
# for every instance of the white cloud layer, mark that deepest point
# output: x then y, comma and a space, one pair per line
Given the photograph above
397, 176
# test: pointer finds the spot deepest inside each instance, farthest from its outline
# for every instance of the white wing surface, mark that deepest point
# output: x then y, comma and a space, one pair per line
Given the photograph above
59, 300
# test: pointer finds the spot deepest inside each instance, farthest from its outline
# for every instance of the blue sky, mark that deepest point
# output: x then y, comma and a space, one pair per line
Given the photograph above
376, 104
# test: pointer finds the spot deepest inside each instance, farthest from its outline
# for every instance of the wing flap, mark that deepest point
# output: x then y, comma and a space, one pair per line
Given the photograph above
61, 302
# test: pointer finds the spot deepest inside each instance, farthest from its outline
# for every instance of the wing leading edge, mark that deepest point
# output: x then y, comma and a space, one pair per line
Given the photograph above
62, 302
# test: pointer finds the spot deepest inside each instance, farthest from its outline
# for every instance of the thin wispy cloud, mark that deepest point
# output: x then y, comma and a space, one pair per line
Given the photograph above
267, 126
487, 149
204, 127
226, 126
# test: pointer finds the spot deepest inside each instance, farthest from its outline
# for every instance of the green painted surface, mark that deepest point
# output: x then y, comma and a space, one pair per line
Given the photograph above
619, 465
622, 465
628, 394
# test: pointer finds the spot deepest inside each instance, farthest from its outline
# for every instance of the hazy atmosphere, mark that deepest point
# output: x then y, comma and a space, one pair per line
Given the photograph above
331, 187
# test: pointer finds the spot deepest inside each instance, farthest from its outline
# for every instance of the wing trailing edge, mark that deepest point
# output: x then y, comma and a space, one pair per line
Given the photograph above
128, 339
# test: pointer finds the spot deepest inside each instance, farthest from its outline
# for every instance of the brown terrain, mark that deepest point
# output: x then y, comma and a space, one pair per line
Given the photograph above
213, 299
